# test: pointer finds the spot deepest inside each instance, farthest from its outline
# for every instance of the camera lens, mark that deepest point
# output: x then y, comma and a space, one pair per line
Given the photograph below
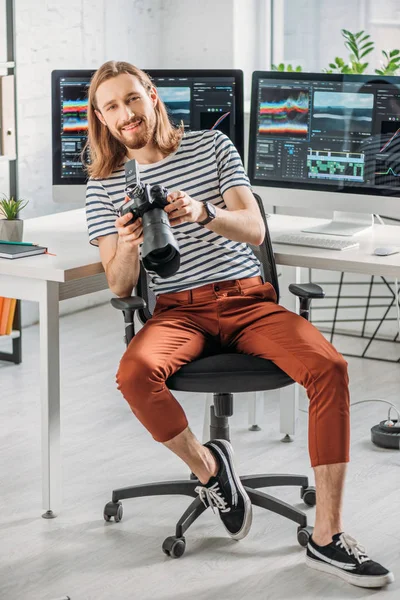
162, 254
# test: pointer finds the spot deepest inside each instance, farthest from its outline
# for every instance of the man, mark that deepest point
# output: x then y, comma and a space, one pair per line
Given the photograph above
216, 297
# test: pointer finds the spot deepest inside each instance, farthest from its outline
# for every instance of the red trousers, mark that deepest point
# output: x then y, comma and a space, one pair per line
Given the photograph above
240, 314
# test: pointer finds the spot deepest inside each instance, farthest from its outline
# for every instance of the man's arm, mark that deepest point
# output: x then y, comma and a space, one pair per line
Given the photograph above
120, 256
242, 222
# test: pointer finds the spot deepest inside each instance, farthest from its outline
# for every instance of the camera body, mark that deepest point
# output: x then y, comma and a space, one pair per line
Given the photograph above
142, 197
160, 250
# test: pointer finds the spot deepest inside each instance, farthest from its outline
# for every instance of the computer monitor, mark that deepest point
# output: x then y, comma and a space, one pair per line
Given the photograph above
202, 99
327, 141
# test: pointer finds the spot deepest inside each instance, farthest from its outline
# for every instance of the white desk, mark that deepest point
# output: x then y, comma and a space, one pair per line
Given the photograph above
76, 270
355, 260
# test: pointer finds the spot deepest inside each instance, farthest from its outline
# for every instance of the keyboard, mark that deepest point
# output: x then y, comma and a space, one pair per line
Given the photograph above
296, 239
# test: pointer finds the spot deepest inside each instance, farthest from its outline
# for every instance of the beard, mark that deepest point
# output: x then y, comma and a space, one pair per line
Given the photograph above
137, 138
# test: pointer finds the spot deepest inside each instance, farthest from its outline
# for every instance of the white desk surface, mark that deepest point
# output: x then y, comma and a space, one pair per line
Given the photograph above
65, 235
357, 260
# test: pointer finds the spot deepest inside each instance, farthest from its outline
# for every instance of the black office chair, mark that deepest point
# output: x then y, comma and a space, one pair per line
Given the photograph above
222, 374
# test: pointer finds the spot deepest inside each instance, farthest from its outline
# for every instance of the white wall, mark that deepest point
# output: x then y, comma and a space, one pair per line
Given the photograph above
78, 34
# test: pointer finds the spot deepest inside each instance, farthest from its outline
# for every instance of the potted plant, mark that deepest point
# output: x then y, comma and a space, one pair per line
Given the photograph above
360, 45
11, 227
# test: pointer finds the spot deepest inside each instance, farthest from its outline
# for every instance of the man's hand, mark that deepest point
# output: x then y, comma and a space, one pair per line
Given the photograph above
129, 236
182, 208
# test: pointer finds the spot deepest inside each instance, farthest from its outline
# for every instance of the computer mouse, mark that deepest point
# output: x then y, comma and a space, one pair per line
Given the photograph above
386, 250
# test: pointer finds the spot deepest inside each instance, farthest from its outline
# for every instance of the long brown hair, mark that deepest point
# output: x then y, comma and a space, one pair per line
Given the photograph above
106, 152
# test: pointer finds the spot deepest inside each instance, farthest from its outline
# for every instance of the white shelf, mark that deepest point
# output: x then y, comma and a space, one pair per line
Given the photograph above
13, 334
7, 65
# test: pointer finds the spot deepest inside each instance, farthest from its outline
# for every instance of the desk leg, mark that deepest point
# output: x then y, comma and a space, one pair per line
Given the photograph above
289, 396
50, 397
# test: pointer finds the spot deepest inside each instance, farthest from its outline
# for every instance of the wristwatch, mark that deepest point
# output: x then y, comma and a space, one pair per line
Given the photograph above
211, 213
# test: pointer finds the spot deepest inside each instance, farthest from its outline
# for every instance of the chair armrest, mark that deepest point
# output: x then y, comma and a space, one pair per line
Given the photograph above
128, 306
307, 290
129, 303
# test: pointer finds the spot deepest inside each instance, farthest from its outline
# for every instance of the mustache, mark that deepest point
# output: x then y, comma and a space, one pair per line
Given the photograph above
136, 118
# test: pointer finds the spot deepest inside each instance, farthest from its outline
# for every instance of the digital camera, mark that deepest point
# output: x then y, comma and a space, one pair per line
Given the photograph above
160, 250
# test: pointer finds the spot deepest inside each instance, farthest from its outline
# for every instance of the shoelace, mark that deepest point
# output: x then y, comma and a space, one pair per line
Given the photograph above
353, 547
213, 497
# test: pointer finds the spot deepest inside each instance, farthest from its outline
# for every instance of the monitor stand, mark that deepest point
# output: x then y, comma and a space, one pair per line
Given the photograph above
344, 223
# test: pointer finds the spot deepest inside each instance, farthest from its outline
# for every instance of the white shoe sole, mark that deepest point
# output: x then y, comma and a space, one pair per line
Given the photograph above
365, 581
248, 509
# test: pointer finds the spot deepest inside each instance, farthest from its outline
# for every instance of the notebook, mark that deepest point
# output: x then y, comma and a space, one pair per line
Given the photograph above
16, 251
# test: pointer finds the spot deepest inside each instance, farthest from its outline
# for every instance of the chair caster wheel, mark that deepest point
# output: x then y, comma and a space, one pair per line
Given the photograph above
113, 509
304, 534
174, 547
308, 495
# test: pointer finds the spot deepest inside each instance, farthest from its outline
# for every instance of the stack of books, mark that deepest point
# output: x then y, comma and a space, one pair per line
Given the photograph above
7, 312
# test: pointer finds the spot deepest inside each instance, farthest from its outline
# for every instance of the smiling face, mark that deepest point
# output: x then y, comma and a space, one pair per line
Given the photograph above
125, 107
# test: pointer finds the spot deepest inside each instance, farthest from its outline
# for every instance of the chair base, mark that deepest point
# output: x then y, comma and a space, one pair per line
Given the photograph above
174, 546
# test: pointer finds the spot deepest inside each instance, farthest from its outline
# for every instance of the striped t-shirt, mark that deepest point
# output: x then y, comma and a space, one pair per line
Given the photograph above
205, 165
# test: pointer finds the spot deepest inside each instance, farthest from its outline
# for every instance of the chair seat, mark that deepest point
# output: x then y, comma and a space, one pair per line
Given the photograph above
229, 373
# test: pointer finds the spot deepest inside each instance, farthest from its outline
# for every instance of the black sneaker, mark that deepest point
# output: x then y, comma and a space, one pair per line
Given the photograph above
347, 559
226, 493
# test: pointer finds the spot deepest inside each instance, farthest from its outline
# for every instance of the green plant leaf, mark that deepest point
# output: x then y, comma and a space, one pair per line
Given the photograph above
366, 52
368, 45
353, 47
11, 207
394, 53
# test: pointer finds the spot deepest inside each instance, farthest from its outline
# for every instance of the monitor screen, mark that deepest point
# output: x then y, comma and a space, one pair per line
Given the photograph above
326, 132
201, 99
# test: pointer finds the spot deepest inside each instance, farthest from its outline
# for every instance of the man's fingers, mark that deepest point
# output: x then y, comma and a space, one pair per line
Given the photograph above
175, 195
180, 213
121, 221
177, 204
177, 221
121, 224
137, 236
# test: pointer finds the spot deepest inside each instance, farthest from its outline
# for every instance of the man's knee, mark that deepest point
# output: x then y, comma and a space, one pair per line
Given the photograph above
336, 368
136, 375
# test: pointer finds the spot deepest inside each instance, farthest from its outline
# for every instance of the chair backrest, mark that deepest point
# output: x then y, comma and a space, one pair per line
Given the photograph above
264, 253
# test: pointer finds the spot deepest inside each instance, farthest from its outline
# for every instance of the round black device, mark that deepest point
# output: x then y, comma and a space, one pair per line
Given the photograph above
387, 434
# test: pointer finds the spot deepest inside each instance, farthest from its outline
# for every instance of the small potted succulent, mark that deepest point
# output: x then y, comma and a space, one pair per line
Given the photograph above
11, 227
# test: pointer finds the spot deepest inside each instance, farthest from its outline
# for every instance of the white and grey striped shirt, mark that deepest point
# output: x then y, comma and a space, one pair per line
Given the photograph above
205, 165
